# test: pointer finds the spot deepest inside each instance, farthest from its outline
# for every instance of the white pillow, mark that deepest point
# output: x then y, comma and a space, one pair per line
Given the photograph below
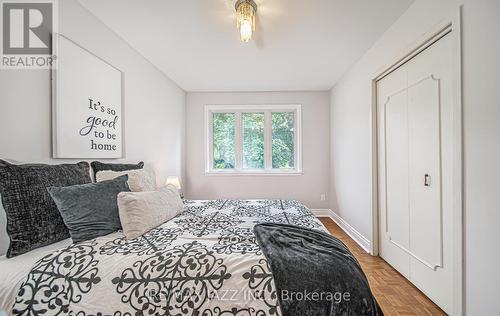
139, 180
142, 211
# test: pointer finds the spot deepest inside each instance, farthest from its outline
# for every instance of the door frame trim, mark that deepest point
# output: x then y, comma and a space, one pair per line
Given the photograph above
452, 26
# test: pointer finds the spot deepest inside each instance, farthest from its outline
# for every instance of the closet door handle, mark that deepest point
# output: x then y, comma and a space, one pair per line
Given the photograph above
427, 180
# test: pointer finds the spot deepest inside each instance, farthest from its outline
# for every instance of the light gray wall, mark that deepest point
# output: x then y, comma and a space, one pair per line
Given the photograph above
350, 179
154, 105
315, 153
481, 100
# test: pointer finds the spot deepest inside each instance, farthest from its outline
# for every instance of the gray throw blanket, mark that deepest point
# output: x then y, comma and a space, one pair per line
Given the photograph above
314, 272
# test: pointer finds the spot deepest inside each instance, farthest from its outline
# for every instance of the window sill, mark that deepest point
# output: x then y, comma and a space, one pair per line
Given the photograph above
253, 173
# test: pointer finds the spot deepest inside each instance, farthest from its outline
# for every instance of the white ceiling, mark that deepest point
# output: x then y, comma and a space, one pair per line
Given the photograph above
298, 45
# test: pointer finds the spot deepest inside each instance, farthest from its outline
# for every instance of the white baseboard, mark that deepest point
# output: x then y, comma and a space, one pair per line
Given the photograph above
321, 212
361, 240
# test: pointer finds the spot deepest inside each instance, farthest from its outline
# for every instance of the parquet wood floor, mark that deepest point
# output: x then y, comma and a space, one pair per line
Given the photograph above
394, 293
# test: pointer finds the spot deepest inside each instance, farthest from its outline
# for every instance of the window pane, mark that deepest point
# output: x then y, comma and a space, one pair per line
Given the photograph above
253, 140
223, 140
283, 140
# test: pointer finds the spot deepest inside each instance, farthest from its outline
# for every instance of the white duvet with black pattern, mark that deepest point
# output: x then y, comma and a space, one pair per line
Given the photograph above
204, 262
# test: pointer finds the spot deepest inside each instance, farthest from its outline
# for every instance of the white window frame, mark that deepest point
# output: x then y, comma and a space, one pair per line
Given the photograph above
267, 110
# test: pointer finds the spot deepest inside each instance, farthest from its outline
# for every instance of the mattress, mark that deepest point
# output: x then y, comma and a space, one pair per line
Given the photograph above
14, 270
206, 261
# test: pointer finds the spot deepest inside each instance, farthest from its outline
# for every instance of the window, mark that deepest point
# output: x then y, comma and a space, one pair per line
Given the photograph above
223, 140
253, 139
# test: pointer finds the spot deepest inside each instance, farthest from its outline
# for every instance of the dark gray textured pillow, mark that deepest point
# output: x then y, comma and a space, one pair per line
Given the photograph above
101, 166
90, 210
33, 220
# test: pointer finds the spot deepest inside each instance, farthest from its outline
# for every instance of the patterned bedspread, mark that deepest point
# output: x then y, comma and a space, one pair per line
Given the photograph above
204, 262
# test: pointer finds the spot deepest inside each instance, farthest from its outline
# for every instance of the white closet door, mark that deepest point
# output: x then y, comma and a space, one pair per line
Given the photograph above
415, 165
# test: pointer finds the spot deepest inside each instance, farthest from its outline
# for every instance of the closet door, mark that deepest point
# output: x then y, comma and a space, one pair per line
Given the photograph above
415, 165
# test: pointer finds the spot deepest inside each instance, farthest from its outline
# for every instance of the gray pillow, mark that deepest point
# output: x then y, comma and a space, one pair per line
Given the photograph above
101, 166
90, 210
33, 220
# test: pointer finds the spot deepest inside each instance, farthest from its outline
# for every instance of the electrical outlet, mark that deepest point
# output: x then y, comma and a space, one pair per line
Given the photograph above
322, 197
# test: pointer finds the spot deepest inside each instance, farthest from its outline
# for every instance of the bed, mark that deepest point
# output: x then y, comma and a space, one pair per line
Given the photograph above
205, 261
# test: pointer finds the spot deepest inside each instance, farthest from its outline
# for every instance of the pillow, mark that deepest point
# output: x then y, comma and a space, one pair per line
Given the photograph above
90, 210
33, 220
138, 180
142, 211
101, 166
4, 238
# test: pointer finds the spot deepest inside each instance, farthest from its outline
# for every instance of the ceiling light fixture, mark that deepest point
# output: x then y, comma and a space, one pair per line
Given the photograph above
245, 18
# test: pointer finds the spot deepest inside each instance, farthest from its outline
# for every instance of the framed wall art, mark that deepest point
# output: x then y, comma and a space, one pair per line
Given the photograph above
87, 107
